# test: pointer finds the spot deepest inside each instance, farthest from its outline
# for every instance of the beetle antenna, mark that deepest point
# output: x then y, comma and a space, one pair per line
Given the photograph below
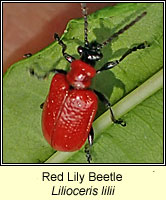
125, 28
84, 13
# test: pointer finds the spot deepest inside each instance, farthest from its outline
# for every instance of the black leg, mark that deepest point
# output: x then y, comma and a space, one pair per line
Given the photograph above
89, 145
140, 46
91, 137
68, 57
108, 65
112, 64
41, 105
27, 55
108, 106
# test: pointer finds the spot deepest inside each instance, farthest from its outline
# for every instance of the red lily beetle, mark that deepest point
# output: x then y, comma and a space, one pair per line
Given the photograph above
71, 105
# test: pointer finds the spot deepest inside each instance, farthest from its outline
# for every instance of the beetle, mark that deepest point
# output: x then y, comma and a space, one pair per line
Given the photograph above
70, 107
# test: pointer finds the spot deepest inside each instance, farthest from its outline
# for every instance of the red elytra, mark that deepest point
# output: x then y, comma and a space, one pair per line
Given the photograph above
68, 113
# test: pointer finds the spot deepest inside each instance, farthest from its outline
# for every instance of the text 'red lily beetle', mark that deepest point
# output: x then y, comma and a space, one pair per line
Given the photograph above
71, 105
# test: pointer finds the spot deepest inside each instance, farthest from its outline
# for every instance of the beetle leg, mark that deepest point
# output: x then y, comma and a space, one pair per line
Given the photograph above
41, 105
108, 105
68, 57
87, 151
135, 48
91, 137
110, 65
27, 55
89, 145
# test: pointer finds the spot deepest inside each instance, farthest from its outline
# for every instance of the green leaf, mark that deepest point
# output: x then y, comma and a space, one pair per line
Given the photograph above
136, 81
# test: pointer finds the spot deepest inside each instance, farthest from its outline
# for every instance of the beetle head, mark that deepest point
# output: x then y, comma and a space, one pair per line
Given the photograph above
90, 53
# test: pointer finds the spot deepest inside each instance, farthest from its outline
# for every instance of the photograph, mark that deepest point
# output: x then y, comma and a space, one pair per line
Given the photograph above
83, 83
